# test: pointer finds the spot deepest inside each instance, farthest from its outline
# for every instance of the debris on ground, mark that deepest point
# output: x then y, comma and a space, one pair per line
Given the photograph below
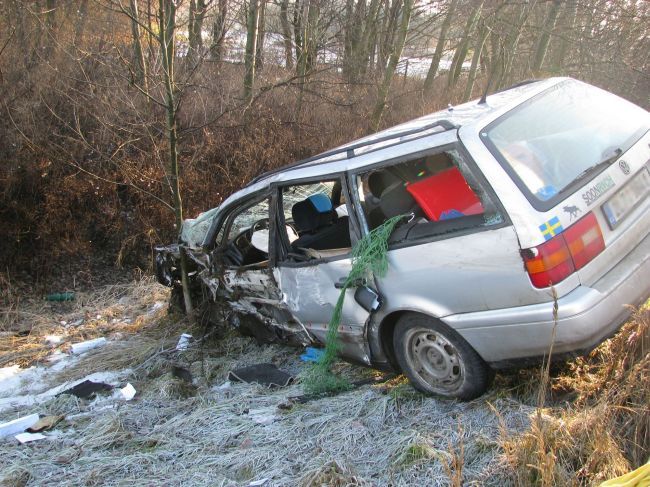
183, 342
127, 392
88, 389
65, 296
312, 354
45, 423
78, 348
17, 425
264, 416
29, 437
264, 374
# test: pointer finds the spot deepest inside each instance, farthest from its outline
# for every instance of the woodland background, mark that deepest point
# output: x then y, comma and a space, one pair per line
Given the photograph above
94, 93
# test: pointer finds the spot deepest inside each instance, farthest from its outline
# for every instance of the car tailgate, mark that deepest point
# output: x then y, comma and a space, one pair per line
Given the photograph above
622, 236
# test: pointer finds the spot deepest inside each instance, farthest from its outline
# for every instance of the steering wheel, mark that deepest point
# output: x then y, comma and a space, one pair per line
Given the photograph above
262, 224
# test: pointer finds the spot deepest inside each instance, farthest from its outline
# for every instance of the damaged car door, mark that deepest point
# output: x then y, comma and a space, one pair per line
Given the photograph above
243, 260
315, 233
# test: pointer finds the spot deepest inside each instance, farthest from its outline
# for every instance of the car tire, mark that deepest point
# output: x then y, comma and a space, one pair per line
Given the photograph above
437, 360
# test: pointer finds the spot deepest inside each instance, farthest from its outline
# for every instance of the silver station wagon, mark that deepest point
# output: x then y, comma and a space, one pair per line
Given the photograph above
537, 190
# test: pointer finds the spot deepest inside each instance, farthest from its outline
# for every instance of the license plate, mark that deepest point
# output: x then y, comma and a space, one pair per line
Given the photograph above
627, 198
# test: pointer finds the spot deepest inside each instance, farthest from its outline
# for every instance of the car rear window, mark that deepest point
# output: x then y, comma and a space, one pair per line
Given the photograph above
556, 141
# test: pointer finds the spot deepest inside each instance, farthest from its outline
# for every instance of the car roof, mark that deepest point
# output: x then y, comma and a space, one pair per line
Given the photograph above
336, 160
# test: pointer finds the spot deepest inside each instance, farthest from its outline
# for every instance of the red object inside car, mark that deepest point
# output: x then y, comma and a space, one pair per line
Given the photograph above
445, 195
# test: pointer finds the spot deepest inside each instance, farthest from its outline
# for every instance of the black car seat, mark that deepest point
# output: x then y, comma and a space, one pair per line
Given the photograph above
318, 225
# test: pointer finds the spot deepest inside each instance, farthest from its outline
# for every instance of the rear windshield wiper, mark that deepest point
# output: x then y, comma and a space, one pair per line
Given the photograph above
595, 169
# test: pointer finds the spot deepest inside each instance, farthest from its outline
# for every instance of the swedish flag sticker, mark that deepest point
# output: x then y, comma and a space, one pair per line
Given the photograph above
551, 228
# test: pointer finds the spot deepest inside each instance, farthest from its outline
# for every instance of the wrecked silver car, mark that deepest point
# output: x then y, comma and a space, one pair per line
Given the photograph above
538, 190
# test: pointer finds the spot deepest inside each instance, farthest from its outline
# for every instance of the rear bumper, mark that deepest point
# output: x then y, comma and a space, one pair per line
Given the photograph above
586, 316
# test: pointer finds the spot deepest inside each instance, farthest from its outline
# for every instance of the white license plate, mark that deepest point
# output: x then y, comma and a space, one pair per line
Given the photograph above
627, 198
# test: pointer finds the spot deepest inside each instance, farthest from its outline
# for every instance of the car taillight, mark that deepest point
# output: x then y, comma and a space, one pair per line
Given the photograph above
559, 257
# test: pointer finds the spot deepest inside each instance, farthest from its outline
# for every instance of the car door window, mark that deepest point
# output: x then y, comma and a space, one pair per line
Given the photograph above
439, 192
316, 220
247, 236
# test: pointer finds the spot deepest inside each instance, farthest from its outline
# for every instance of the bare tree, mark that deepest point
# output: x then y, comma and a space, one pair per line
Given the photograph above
440, 46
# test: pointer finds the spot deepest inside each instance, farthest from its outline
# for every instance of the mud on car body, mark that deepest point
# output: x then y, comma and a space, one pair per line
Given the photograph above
541, 188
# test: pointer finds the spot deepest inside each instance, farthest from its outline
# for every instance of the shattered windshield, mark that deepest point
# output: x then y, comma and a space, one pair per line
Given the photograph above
563, 136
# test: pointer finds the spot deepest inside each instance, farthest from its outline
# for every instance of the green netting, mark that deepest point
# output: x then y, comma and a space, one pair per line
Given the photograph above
369, 256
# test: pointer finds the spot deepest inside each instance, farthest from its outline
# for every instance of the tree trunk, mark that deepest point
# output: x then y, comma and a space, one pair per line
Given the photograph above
197, 11
298, 8
167, 29
545, 36
140, 66
219, 30
568, 21
478, 49
463, 47
261, 33
286, 34
251, 48
440, 45
392, 64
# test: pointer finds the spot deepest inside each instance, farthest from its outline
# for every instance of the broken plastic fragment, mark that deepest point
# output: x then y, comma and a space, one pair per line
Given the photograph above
183, 342
29, 437
88, 345
17, 425
128, 392
312, 354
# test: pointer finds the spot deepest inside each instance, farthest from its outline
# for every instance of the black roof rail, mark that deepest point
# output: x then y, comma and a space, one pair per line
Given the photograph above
349, 150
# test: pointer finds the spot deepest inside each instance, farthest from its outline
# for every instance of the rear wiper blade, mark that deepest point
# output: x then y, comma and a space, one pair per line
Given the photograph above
595, 169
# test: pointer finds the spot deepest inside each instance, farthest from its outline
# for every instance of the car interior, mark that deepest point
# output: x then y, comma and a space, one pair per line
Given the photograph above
438, 193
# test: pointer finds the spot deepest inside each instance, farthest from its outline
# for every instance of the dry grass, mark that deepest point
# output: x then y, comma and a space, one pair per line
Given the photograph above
605, 431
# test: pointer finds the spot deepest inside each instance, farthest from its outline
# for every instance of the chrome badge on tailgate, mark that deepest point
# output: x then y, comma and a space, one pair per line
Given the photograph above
627, 198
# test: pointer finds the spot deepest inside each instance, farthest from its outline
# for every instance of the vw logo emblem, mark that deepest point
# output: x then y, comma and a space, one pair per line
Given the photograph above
625, 167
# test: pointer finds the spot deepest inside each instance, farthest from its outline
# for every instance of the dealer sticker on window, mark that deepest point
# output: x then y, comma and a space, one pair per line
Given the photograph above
627, 198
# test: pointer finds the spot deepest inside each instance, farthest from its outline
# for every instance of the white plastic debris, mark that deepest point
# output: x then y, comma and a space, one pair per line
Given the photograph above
184, 341
29, 437
53, 340
88, 345
17, 425
127, 392
259, 483
263, 416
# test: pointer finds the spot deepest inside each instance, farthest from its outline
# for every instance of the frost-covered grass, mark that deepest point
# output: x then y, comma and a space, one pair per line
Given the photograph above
211, 432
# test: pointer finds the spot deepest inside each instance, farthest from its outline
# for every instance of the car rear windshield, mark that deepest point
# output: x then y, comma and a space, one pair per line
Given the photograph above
562, 138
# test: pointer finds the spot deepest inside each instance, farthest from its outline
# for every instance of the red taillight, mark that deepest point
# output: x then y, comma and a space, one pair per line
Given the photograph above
559, 257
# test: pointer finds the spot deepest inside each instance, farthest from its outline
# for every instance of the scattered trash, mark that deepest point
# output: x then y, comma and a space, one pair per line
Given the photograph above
45, 423
87, 389
29, 437
53, 340
66, 296
63, 322
88, 345
182, 374
128, 392
264, 374
264, 416
259, 483
312, 354
17, 425
183, 342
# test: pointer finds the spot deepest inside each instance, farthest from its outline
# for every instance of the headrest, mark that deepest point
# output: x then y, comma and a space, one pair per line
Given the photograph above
313, 212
